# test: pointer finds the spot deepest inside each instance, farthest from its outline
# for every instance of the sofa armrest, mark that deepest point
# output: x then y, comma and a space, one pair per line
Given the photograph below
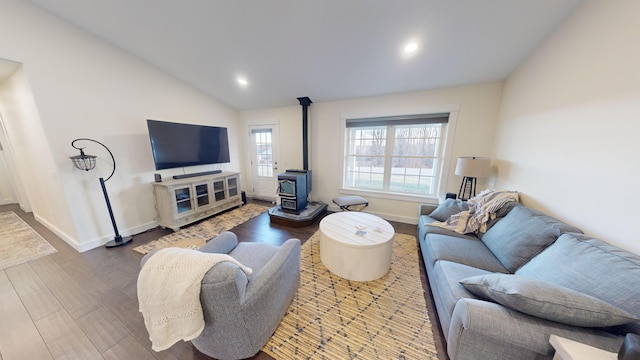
426, 209
221, 244
285, 263
486, 330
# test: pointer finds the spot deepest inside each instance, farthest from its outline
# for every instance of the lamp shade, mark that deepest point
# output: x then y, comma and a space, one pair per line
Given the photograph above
83, 161
473, 166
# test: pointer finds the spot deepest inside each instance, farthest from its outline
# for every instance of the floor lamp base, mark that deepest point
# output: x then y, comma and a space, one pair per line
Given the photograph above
118, 241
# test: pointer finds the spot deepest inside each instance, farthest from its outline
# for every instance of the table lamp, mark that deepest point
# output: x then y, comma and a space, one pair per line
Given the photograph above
471, 168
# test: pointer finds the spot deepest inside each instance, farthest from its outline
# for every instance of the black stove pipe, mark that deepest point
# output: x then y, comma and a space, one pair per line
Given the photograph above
305, 102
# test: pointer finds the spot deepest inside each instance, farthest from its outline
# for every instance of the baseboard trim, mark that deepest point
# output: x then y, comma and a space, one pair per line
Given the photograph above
95, 243
390, 217
59, 233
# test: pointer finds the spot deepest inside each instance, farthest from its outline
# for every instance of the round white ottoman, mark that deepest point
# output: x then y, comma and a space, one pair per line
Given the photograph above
356, 246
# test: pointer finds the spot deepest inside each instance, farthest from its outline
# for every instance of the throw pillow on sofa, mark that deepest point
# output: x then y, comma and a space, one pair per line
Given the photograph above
546, 300
522, 234
447, 208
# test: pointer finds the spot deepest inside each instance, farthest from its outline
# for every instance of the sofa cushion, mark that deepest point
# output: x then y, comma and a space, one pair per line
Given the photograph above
447, 208
592, 267
522, 234
468, 251
546, 300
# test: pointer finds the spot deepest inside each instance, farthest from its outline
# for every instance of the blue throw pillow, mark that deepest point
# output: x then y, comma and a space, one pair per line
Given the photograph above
447, 208
546, 300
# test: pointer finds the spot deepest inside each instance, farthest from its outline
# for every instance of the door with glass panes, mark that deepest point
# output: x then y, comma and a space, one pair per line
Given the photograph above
264, 160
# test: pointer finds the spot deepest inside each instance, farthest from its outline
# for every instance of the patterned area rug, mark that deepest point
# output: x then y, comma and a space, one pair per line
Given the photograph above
19, 243
205, 229
334, 318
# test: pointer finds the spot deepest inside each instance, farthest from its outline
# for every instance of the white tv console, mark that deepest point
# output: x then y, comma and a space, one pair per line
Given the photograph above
183, 201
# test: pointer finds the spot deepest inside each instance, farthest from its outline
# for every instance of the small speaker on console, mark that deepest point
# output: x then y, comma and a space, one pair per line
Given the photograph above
158, 177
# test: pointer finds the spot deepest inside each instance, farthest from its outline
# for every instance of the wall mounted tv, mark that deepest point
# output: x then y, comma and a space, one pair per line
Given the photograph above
179, 145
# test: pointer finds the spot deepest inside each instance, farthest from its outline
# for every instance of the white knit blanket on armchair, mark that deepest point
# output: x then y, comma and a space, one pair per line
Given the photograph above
169, 294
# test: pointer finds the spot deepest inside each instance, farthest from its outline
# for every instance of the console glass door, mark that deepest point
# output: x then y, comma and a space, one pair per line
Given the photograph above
202, 194
183, 199
218, 190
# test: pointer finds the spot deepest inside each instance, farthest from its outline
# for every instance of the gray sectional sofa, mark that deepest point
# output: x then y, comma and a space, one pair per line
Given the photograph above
500, 294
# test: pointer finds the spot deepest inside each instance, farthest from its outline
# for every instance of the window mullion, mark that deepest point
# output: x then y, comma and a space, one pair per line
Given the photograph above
388, 154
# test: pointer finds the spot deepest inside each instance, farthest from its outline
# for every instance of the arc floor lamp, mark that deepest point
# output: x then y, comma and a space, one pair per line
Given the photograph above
88, 162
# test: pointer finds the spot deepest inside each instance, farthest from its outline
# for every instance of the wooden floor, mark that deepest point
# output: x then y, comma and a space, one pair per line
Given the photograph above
72, 305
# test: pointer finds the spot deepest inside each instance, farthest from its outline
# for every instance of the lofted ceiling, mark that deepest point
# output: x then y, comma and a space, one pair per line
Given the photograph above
325, 49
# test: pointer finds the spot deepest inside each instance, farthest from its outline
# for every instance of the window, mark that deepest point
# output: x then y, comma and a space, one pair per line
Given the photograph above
399, 154
264, 153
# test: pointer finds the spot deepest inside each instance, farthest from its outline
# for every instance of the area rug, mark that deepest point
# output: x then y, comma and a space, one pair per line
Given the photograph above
19, 243
334, 318
205, 229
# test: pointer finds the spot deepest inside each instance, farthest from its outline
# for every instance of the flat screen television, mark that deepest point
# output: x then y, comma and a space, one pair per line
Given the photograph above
180, 145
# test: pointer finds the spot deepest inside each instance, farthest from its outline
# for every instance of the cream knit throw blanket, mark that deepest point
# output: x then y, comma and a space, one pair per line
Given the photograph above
482, 208
169, 294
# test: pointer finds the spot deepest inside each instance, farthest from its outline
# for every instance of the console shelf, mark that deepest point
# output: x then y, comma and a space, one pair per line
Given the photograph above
183, 201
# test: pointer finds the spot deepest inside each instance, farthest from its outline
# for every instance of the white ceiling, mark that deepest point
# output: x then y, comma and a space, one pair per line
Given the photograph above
325, 49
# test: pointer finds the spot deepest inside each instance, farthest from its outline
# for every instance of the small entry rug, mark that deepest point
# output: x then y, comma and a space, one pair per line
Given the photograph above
205, 229
334, 318
19, 243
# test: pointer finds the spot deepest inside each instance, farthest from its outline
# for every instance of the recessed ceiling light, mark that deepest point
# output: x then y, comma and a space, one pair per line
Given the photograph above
410, 47
242, 81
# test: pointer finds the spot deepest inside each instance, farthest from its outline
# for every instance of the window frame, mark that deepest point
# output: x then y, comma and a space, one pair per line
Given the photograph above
447, 136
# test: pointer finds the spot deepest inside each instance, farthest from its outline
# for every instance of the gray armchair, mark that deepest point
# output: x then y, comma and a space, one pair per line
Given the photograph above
242, 312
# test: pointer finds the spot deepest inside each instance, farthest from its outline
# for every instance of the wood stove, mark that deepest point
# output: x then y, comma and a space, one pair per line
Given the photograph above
294, 187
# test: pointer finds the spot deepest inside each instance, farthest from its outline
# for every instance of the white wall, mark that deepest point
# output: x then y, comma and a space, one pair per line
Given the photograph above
289, 121
568, 131
83, 87
8, 193
478, 110
27, 150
